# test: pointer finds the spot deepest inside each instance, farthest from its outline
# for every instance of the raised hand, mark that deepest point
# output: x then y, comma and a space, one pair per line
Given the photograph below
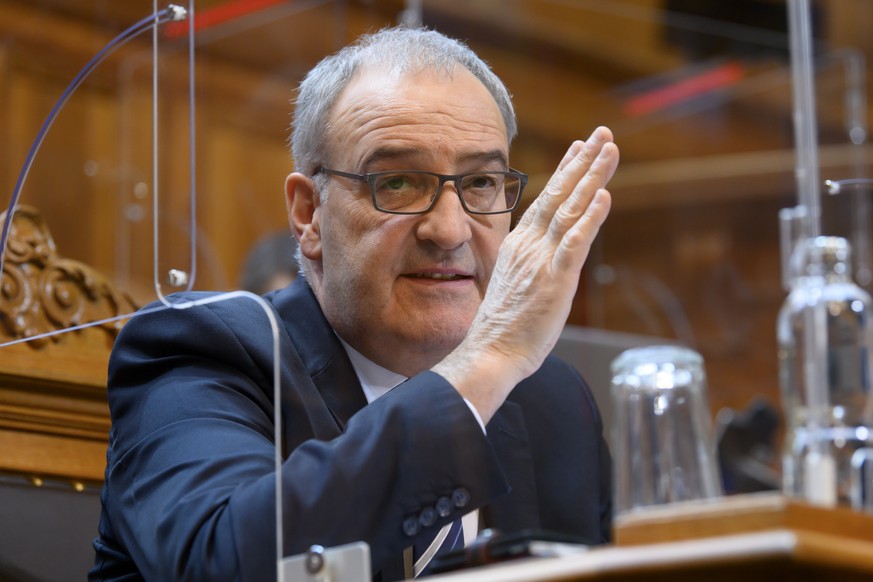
535, 278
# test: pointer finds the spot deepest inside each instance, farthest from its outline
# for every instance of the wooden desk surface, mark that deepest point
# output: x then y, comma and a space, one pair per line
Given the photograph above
773, 555
782, 540
740, 514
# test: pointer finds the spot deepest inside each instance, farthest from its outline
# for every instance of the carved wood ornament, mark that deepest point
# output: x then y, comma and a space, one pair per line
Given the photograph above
54, 418
43, 292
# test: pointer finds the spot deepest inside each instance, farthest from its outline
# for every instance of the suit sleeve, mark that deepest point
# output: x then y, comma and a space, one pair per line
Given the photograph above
190, 481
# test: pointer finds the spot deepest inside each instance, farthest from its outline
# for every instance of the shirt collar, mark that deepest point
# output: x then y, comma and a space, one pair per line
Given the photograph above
375, 380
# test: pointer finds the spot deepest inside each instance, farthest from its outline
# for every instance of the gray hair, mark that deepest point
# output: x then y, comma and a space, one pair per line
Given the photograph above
400, 50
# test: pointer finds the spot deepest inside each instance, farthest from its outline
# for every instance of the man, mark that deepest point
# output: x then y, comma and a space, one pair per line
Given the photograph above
411, 280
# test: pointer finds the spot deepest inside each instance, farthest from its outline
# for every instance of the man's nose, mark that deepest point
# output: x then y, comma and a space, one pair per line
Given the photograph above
447, 224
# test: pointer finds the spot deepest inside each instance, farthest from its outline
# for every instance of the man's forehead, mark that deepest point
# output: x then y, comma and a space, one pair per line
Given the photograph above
394, 110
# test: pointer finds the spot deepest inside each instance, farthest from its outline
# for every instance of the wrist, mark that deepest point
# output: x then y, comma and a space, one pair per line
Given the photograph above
483, 377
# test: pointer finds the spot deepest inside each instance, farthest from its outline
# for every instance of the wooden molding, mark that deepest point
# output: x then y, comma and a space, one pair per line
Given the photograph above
54, 419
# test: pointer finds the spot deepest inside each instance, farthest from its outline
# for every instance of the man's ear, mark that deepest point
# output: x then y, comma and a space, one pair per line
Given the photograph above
303, 204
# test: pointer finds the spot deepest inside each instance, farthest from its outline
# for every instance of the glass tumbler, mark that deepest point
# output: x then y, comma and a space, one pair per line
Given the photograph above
662, 439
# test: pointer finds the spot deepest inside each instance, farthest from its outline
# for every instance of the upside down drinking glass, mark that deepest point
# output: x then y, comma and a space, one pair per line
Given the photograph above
661, 437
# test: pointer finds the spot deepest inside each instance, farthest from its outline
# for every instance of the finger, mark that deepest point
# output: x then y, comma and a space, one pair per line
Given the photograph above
581, 155
572, 168
572, 252
575, 206
574, 150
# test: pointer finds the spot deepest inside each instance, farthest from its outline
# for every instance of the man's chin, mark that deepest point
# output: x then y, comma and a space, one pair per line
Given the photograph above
437, 341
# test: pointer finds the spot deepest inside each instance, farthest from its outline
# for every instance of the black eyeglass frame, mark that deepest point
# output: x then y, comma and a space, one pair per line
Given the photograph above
371, 178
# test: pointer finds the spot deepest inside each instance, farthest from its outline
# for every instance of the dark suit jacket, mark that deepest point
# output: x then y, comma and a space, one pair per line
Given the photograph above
190, 481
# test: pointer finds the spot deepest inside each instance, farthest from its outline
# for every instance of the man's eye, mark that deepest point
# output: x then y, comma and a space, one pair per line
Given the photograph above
395, 182
481, 182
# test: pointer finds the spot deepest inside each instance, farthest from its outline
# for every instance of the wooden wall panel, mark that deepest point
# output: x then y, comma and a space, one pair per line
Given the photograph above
243, 194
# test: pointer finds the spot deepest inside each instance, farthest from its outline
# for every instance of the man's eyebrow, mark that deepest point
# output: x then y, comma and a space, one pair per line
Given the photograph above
410, 153
389, 153
485, 157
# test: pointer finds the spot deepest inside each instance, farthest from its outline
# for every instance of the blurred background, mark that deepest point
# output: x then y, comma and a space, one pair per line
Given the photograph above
698, 94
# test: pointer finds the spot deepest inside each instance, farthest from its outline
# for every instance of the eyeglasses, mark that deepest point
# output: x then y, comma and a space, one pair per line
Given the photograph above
416, 191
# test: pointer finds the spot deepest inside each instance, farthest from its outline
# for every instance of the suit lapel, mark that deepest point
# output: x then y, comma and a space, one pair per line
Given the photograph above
508, 436
329, 369
340, 388
325, 359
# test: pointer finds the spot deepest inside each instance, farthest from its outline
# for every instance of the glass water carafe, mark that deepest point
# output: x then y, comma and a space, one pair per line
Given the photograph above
825, 338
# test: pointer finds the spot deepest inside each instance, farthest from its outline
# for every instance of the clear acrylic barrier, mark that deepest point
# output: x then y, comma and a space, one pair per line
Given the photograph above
690, 251
25, 244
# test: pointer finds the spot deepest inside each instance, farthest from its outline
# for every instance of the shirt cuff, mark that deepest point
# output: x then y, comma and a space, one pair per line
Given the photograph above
476, 414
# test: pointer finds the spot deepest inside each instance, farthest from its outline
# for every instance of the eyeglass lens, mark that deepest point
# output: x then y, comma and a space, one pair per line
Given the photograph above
412, 192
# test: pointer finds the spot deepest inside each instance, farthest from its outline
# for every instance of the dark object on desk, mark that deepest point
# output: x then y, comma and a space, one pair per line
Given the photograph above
747, 449
492, 547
